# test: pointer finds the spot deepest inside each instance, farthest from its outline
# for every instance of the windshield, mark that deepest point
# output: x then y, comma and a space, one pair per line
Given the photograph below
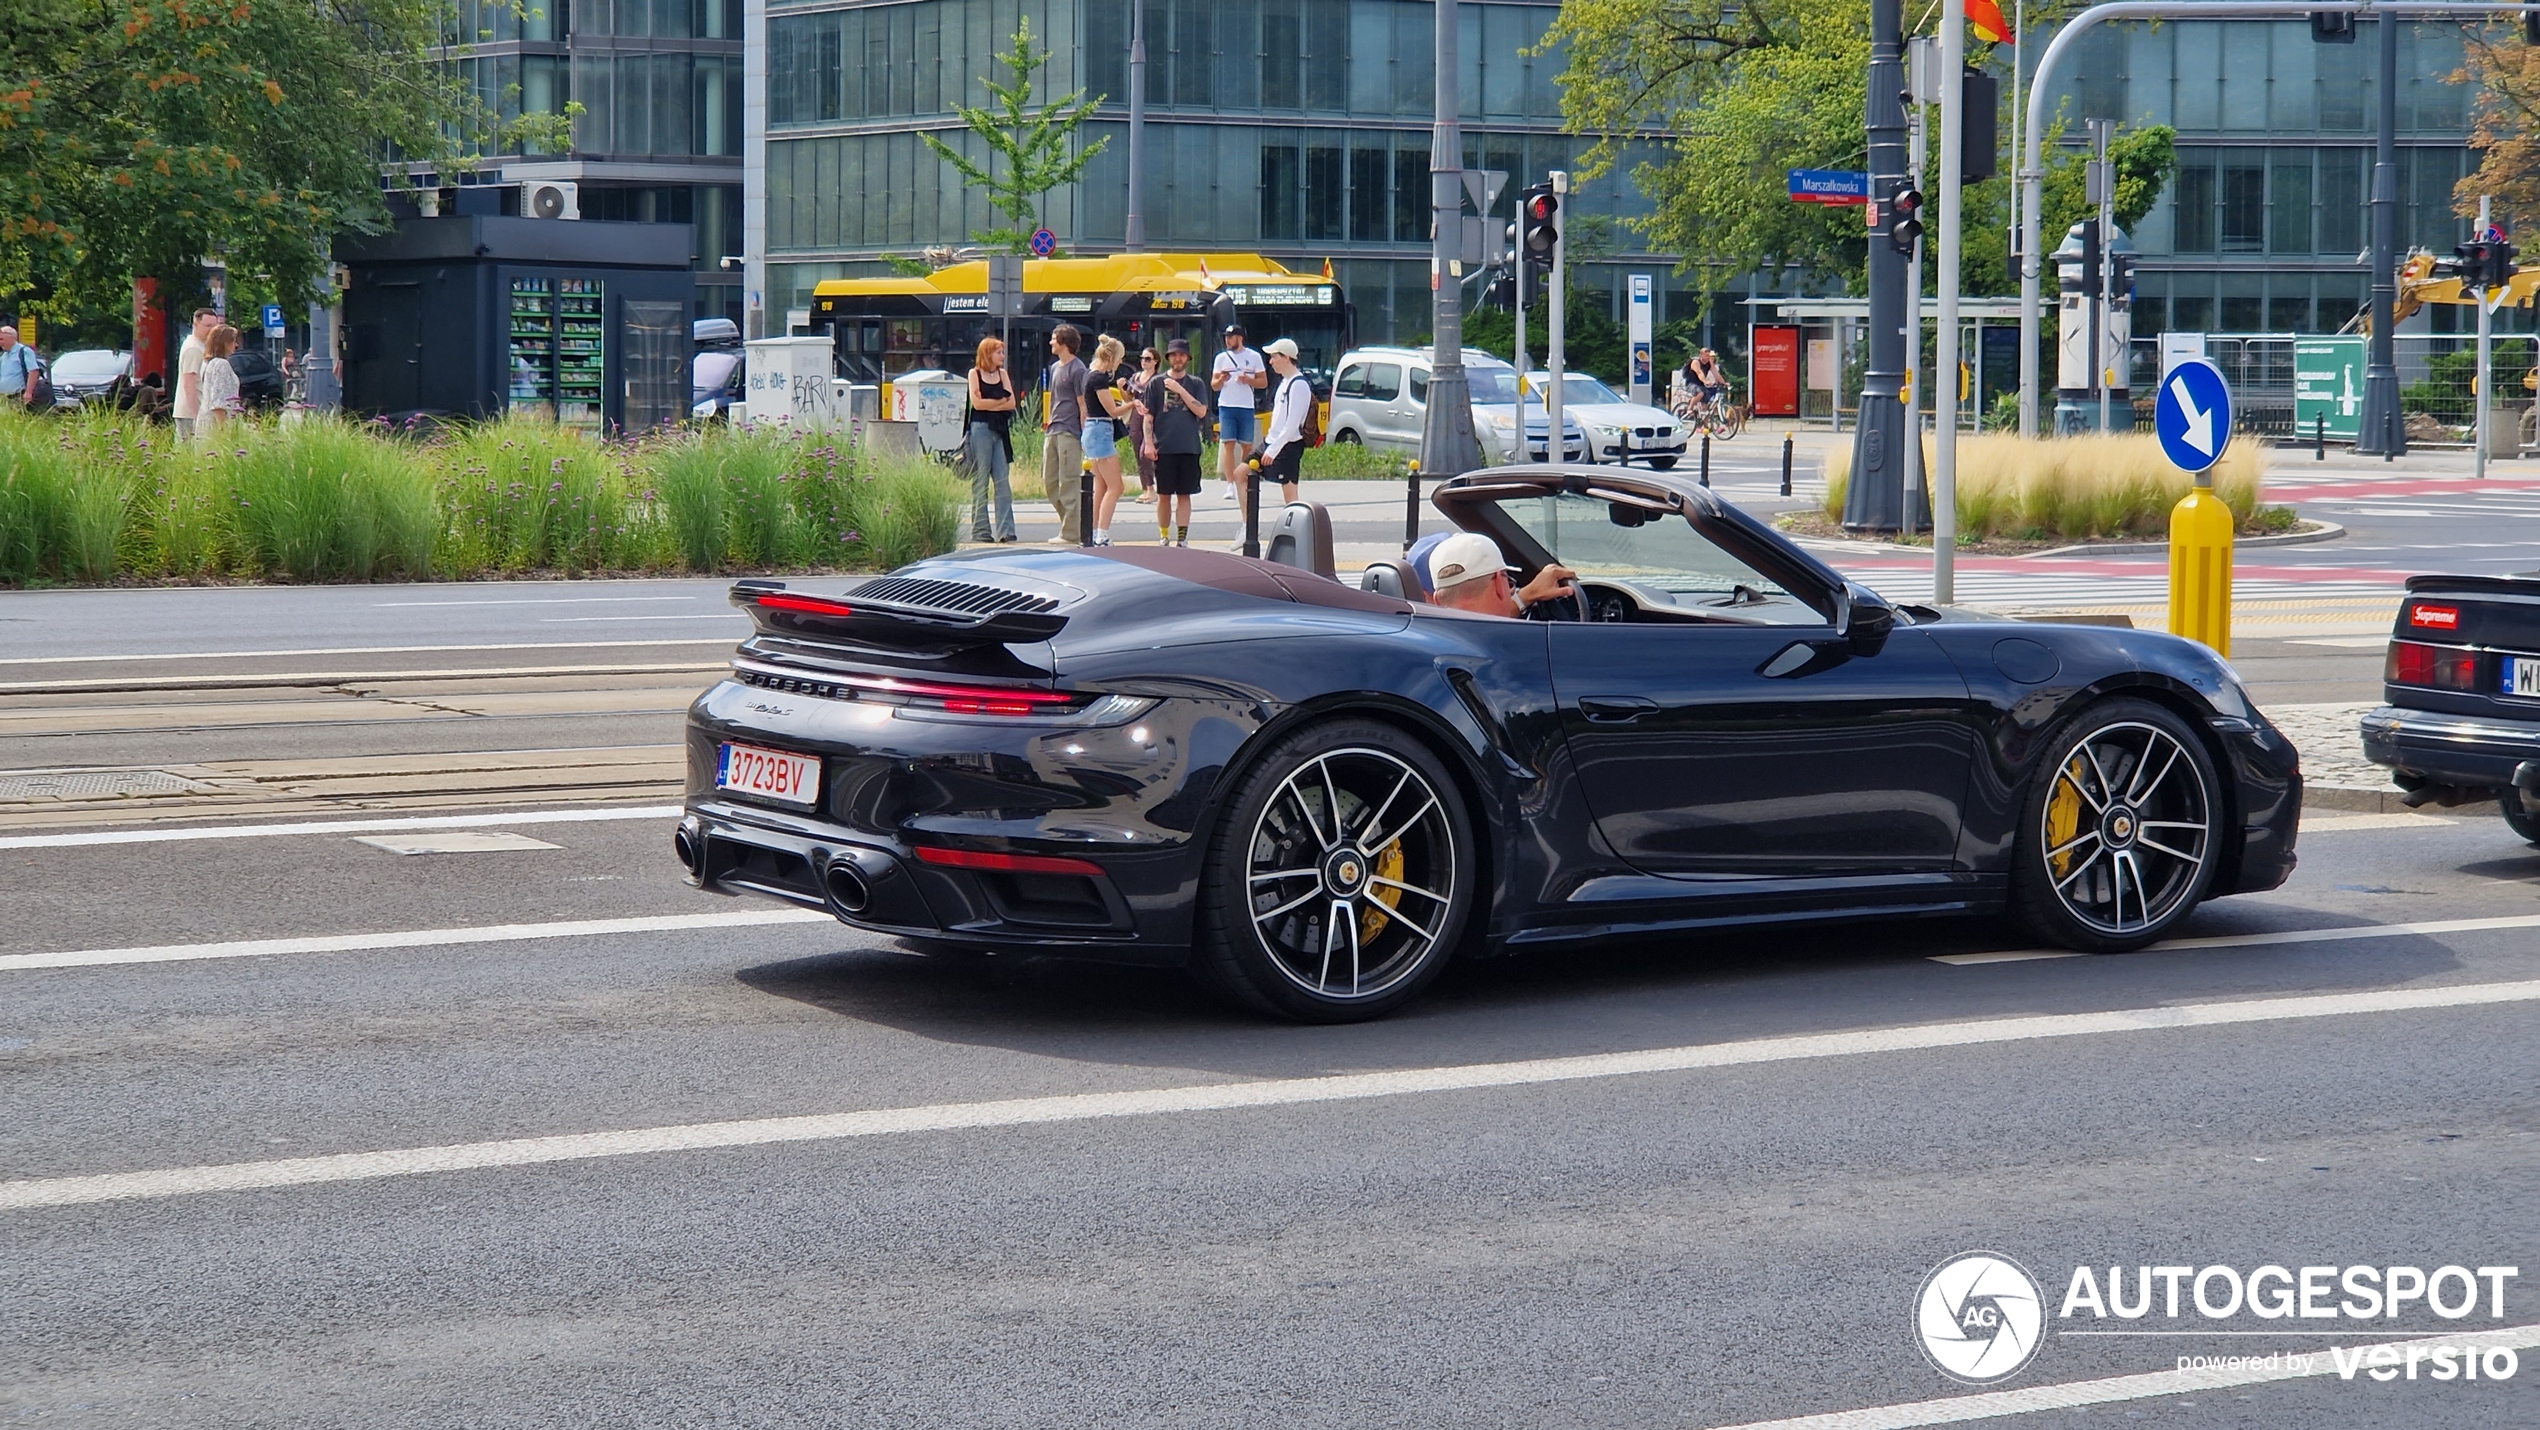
1577, 389
1663, 557
1492, 385
87, 365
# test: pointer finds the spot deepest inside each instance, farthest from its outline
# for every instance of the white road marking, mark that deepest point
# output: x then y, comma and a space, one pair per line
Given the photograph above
684, 616
407, 938
2262, 940
456, 841
2073, 1395
536, 601
286, 679
1221, 1097
2333, 823
2344, 642
345, 650
338, 826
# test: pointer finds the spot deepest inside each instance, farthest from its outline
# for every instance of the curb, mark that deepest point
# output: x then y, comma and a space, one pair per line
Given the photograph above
2351, 799
2327, 531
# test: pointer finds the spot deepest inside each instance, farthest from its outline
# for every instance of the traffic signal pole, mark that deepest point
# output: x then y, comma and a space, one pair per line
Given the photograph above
1553, 296
2383, 431
1944, 375
1873, 501
1448, 447
2478, 387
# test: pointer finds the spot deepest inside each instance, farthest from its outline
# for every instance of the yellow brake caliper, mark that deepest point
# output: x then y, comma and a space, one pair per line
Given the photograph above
2063, 817
1388, 866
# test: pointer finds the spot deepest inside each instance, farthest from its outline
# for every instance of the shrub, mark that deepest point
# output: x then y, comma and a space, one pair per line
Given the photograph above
2071, 488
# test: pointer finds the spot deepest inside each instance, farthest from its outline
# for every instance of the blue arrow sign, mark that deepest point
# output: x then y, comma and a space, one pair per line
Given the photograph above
2192, 414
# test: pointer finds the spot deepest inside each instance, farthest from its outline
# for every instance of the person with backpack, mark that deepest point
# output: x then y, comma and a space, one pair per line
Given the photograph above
22, 376
1294, 423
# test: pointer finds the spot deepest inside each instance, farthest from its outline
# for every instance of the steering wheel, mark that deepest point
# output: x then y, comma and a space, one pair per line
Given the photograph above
1574, 609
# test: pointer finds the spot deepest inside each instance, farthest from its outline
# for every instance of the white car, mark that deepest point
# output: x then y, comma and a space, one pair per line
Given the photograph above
1620, 432
1380, 397
89, 375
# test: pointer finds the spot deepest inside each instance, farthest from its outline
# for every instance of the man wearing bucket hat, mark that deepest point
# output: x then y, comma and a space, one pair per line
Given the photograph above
1469, 575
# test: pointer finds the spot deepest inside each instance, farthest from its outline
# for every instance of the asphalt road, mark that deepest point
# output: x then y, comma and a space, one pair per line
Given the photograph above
1699, 1238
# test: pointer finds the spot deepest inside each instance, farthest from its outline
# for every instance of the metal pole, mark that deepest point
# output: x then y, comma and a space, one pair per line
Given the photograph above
1879, 425
1786, 441
1944, 376
2019, 199
1552, 440
2382, 430
1134, 239
1448, 447
2103, 323
753, 169
1410, 508
1910, 471
1554, 299
2478, 387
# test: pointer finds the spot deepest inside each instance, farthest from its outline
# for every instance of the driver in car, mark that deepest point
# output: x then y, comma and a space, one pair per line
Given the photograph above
1469, 575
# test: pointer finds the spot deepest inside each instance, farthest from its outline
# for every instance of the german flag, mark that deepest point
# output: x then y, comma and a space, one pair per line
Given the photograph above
1985, 18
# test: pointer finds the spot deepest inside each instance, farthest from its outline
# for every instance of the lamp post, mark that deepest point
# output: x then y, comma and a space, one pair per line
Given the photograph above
1448, 447
1873, 502
2382, 431
1134, 237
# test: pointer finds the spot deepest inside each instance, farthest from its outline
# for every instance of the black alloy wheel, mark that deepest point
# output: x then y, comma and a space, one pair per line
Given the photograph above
2122, 828
1340, 876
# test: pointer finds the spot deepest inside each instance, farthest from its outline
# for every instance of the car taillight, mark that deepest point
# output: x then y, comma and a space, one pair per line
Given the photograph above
808, 605
2435, 618
1004, 863
2435, 667
966, 699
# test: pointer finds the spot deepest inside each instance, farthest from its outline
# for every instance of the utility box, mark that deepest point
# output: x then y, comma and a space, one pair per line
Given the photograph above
791, 384
478, 315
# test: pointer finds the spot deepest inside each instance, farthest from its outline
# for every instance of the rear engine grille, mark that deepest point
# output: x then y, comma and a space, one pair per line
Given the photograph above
962, 597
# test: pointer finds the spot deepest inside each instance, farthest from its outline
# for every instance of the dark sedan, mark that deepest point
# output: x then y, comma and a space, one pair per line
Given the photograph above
2462, 679
1315, 794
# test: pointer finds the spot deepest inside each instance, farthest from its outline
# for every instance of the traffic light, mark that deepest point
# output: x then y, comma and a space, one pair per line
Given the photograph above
2089, 232
2333, 27
2123, 284
1541, 213
2484, 263
1905, 224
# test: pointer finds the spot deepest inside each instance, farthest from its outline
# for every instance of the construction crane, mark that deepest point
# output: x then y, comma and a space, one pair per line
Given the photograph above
2424, 278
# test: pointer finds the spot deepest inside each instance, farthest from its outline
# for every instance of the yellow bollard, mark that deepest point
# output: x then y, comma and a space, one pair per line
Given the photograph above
2200, 569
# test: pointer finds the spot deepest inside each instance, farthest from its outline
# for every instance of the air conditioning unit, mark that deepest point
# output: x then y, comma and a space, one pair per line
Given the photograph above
551, 198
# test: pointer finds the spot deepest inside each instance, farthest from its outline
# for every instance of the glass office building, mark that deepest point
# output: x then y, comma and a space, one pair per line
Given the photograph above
2264, 226
1298, 129
659, 137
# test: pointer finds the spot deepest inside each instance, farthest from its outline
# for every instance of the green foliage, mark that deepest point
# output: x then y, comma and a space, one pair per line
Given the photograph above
2444, 392
97, 496
1033, 145
2072, 488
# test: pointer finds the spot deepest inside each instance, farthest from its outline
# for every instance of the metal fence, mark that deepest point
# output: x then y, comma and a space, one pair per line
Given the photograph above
2435, 374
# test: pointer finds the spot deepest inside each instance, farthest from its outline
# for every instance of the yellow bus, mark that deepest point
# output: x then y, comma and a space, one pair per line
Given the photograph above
890, 325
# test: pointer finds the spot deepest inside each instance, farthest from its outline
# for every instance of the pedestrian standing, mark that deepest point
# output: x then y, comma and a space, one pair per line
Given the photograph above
20, 369
1177, 407
189, 371
1105, 401
1238, 378
991, 443
1063, 434
218, 382
1283, 446
1150, 362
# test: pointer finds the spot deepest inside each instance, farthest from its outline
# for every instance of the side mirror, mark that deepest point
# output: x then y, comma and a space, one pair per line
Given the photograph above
1864, 618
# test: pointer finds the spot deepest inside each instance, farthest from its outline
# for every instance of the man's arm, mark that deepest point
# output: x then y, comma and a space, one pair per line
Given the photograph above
1550, 582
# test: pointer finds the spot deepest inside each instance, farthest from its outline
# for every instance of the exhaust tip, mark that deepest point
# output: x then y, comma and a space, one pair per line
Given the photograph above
847, 888
684, 844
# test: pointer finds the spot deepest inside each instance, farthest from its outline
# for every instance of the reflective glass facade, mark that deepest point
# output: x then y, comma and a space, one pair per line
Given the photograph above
2262, 228
1293, 128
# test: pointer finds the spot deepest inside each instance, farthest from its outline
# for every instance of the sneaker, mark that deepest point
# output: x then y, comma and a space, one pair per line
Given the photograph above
1184, 543
1102, 541
1007, 540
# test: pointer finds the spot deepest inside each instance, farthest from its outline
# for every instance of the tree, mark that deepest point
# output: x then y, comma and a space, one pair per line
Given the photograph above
2504, 125
147, 135
1033, 144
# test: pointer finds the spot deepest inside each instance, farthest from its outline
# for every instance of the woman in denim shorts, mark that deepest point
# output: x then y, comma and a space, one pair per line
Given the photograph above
1105, 397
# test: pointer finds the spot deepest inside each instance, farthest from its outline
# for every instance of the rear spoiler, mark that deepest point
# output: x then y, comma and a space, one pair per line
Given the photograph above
2524, 584
779, 612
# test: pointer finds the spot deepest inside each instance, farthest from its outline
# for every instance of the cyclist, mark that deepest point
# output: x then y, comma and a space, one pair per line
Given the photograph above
1706, 375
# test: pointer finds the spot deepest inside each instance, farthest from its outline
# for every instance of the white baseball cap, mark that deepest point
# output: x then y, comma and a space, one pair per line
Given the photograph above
1284, 348
1463, 557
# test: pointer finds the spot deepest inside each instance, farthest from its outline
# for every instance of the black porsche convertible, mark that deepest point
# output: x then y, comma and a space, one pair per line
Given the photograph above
1314, 793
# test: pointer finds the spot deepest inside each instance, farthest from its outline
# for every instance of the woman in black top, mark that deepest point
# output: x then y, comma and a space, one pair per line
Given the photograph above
991, 442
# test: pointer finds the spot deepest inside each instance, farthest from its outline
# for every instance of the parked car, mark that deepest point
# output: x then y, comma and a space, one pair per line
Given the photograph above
261, 387
2462, 722
1380, 397
718, 372
89, 375
1623, 432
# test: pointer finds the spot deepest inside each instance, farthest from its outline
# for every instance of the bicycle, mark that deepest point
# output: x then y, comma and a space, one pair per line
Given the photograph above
1722, 418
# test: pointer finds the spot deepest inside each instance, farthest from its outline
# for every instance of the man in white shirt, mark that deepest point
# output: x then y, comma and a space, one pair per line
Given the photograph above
189, 371
1283, 446
1236, 376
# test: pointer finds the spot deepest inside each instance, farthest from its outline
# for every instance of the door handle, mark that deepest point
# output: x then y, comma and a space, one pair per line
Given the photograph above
1615, 709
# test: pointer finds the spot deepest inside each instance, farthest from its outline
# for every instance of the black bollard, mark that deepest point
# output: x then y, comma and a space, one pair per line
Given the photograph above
1252, 509
1785, 464
1411, 507
1706, 459
2319, 437
1085, 505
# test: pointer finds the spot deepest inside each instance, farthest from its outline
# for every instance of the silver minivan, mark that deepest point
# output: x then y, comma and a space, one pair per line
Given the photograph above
1380, 397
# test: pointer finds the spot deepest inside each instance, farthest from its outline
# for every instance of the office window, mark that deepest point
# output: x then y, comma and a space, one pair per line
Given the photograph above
718, 105
2244, 206
1326, 53
2244, 71
1238, 82
1412, 200
1194, 52
2289, 206
1324, 206
1367, 211
2342, 195
1415, 59
1279, 192
1282, 51
2192, 313
2289, 313
596, 129
633, 17
2346, 82
2293, 106
1373, 82
1106, 48
2193, 206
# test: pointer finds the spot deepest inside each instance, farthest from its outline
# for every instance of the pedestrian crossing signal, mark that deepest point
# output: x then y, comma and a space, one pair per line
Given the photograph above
1542, 210
1905, 228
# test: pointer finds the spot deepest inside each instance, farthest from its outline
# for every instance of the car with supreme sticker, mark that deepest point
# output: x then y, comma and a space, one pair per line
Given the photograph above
2461, 682
1315, 793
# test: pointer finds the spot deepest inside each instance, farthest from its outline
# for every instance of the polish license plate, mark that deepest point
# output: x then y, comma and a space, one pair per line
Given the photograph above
2521, 675
769, 774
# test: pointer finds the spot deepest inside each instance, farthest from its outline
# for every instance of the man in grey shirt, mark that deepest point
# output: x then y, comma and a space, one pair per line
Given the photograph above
1062, 441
